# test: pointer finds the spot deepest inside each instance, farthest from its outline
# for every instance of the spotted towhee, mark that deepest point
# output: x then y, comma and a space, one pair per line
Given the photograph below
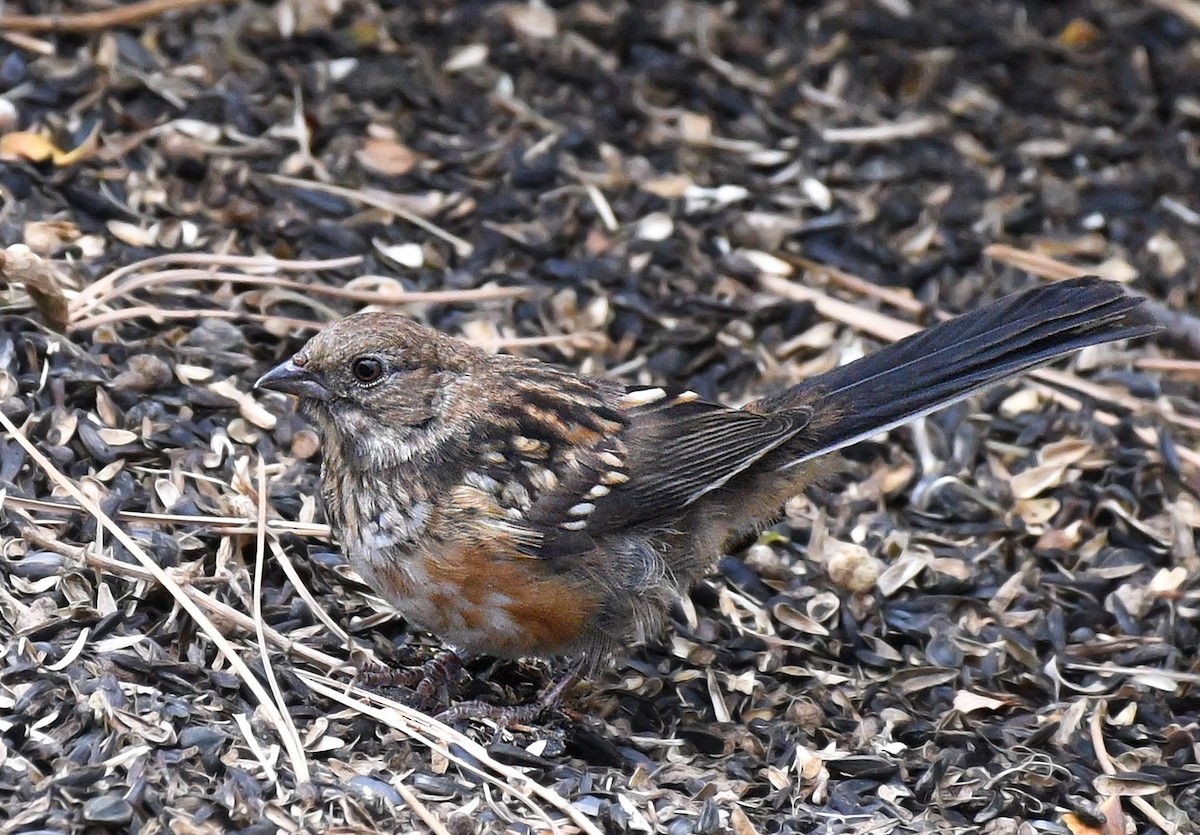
516, 509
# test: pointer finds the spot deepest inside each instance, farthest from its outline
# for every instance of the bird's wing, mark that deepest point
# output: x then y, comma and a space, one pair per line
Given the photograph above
667, 457
577, 458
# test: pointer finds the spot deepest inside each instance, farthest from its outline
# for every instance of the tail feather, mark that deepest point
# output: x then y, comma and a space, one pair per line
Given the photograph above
952, 360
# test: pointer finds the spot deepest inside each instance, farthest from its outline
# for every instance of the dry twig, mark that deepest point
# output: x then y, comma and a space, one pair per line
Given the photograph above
274, 710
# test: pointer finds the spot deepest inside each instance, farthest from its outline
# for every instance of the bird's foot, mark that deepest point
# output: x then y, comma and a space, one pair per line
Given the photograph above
510, 716
426, 687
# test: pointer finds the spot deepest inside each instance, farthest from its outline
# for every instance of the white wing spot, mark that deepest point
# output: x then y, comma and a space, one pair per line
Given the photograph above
530, 446
611, 460
644, 397
542, 478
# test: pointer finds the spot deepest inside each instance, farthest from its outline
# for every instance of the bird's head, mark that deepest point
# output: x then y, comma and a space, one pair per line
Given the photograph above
378, 383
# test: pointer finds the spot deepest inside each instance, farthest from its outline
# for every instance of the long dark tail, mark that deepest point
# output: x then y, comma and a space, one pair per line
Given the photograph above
952, 360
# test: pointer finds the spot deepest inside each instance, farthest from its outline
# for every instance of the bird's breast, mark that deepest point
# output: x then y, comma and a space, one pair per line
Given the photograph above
482, 600
457, 565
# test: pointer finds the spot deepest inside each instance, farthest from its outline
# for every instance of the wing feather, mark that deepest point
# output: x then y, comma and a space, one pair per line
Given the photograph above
648, 459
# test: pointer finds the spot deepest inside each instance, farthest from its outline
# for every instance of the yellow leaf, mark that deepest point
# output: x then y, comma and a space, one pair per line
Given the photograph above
37, 147
26, 145
84, 151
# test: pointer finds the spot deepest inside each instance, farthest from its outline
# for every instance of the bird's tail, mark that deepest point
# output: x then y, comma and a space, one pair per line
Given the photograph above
954, 359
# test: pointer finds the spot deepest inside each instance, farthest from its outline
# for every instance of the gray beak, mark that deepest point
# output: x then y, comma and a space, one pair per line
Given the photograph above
290, 378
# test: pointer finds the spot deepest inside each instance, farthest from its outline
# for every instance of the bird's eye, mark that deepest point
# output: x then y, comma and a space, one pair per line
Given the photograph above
367, 370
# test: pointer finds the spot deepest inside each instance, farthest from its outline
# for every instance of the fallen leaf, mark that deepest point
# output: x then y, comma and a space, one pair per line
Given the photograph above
37, 147
27, 145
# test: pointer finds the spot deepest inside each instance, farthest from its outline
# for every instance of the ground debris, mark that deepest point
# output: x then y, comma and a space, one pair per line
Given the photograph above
989, 620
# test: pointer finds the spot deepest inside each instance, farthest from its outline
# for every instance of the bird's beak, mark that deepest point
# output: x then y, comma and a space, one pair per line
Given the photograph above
294, 379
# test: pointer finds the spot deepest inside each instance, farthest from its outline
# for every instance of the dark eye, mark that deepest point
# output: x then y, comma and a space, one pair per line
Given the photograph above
367, 370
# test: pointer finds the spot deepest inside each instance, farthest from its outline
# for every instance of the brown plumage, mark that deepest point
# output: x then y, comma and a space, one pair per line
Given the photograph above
516, 509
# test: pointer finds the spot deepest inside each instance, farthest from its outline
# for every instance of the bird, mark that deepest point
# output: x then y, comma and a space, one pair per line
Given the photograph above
516, 509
